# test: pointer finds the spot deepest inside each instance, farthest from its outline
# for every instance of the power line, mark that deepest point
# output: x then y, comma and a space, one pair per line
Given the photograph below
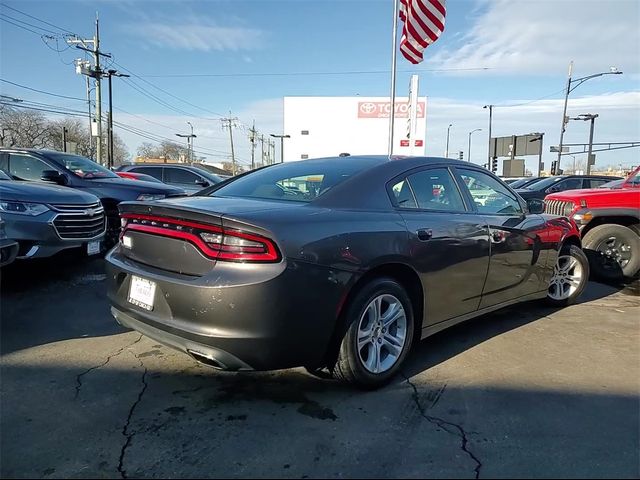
29, 24
42, 91
38, 19
298, 74
530, 101
22, 27
166, 92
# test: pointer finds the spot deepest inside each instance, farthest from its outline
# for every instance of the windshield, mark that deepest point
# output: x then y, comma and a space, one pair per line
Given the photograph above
295, 182
523, 182
81, 166
543, 183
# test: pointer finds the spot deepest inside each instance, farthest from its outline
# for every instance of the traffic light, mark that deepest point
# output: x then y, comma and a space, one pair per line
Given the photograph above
460, 155
553, 167
494, 165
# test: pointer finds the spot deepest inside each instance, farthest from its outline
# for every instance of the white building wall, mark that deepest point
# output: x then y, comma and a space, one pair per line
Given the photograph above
355, 125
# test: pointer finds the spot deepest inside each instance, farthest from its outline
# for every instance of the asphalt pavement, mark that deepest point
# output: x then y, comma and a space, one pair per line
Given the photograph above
525, 392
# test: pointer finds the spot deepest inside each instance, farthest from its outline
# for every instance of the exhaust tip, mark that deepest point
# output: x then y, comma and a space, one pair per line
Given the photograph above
207, 360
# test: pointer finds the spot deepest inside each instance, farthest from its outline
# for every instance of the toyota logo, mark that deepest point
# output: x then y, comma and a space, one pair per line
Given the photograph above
368, 107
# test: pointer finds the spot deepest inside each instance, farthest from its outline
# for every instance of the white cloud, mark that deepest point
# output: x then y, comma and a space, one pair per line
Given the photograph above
524, 37
202, 34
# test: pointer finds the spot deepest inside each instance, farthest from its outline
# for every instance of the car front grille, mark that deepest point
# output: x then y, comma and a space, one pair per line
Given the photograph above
558, 207
79, 222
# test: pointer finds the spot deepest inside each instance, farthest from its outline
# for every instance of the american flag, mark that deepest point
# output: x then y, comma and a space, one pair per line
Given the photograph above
423, 24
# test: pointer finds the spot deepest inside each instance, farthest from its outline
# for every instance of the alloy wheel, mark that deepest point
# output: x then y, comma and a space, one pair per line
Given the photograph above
382, 333
567, 277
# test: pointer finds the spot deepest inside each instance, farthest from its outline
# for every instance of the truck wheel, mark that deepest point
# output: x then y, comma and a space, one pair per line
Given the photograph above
614, 251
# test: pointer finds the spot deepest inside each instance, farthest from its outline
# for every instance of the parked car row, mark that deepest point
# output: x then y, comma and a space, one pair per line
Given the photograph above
190, 178
52, 201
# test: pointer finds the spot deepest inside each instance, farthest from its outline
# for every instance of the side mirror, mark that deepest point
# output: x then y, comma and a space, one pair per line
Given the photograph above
535, 205
553, 189
53, 176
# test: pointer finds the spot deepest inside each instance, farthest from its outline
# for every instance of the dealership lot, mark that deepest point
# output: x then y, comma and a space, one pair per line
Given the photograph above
527, 391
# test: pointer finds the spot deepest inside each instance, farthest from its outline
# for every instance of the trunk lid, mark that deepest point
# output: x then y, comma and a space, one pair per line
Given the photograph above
168, 234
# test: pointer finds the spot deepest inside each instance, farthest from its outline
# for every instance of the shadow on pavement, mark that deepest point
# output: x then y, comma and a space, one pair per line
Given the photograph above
53, 299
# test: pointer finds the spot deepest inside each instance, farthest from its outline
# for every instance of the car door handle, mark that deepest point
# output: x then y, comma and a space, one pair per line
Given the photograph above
424, 234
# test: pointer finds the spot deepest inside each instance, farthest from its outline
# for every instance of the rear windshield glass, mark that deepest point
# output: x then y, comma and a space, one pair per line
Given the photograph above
295, 181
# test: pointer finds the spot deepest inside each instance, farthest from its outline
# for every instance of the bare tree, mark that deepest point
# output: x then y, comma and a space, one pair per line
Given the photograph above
23, 128
169, 151
32, 129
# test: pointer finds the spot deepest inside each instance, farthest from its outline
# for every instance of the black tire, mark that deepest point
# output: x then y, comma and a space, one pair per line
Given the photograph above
576, 253
607, 268
349, 367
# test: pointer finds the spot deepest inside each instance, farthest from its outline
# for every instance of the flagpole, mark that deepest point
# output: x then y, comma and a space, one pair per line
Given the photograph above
392, 113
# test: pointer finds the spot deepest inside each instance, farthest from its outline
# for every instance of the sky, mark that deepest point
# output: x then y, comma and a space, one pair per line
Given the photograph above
202, 60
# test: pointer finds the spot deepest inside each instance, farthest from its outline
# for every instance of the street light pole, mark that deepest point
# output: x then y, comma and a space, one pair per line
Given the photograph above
281, 137
469, 151
446, 152
191, 143
490, 107
593, 124
570, 88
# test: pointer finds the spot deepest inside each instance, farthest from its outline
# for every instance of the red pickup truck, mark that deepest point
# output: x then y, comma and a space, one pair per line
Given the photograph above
609, 223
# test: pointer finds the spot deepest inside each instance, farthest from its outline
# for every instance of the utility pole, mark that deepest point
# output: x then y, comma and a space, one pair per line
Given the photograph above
90, 122
272, 155
230, 124
252, 140
109, 74
64, 139
96, 73
262, 162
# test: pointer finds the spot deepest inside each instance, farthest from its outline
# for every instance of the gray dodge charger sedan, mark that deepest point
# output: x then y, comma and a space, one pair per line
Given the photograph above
335, 264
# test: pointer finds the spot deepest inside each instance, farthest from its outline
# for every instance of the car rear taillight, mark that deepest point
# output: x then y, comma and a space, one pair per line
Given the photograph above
213, 241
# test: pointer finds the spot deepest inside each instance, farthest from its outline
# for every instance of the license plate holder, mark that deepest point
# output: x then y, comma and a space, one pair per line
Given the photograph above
93, 248
142, 292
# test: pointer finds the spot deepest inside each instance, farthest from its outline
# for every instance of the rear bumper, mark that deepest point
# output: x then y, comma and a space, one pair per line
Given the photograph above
237, 317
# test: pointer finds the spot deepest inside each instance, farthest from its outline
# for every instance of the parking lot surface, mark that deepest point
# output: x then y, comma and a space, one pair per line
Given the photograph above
527, 391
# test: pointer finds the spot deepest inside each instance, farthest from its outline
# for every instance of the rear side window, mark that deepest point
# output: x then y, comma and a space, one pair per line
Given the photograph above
568, 184
155, 172
180, 175
594, 182
432, 189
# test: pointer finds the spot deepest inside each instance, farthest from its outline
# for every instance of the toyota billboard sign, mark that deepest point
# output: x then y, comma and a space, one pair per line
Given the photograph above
383, 109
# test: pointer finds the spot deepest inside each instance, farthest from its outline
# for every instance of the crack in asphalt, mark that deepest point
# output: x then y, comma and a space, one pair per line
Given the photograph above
89, 370
125, 429
449, 427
